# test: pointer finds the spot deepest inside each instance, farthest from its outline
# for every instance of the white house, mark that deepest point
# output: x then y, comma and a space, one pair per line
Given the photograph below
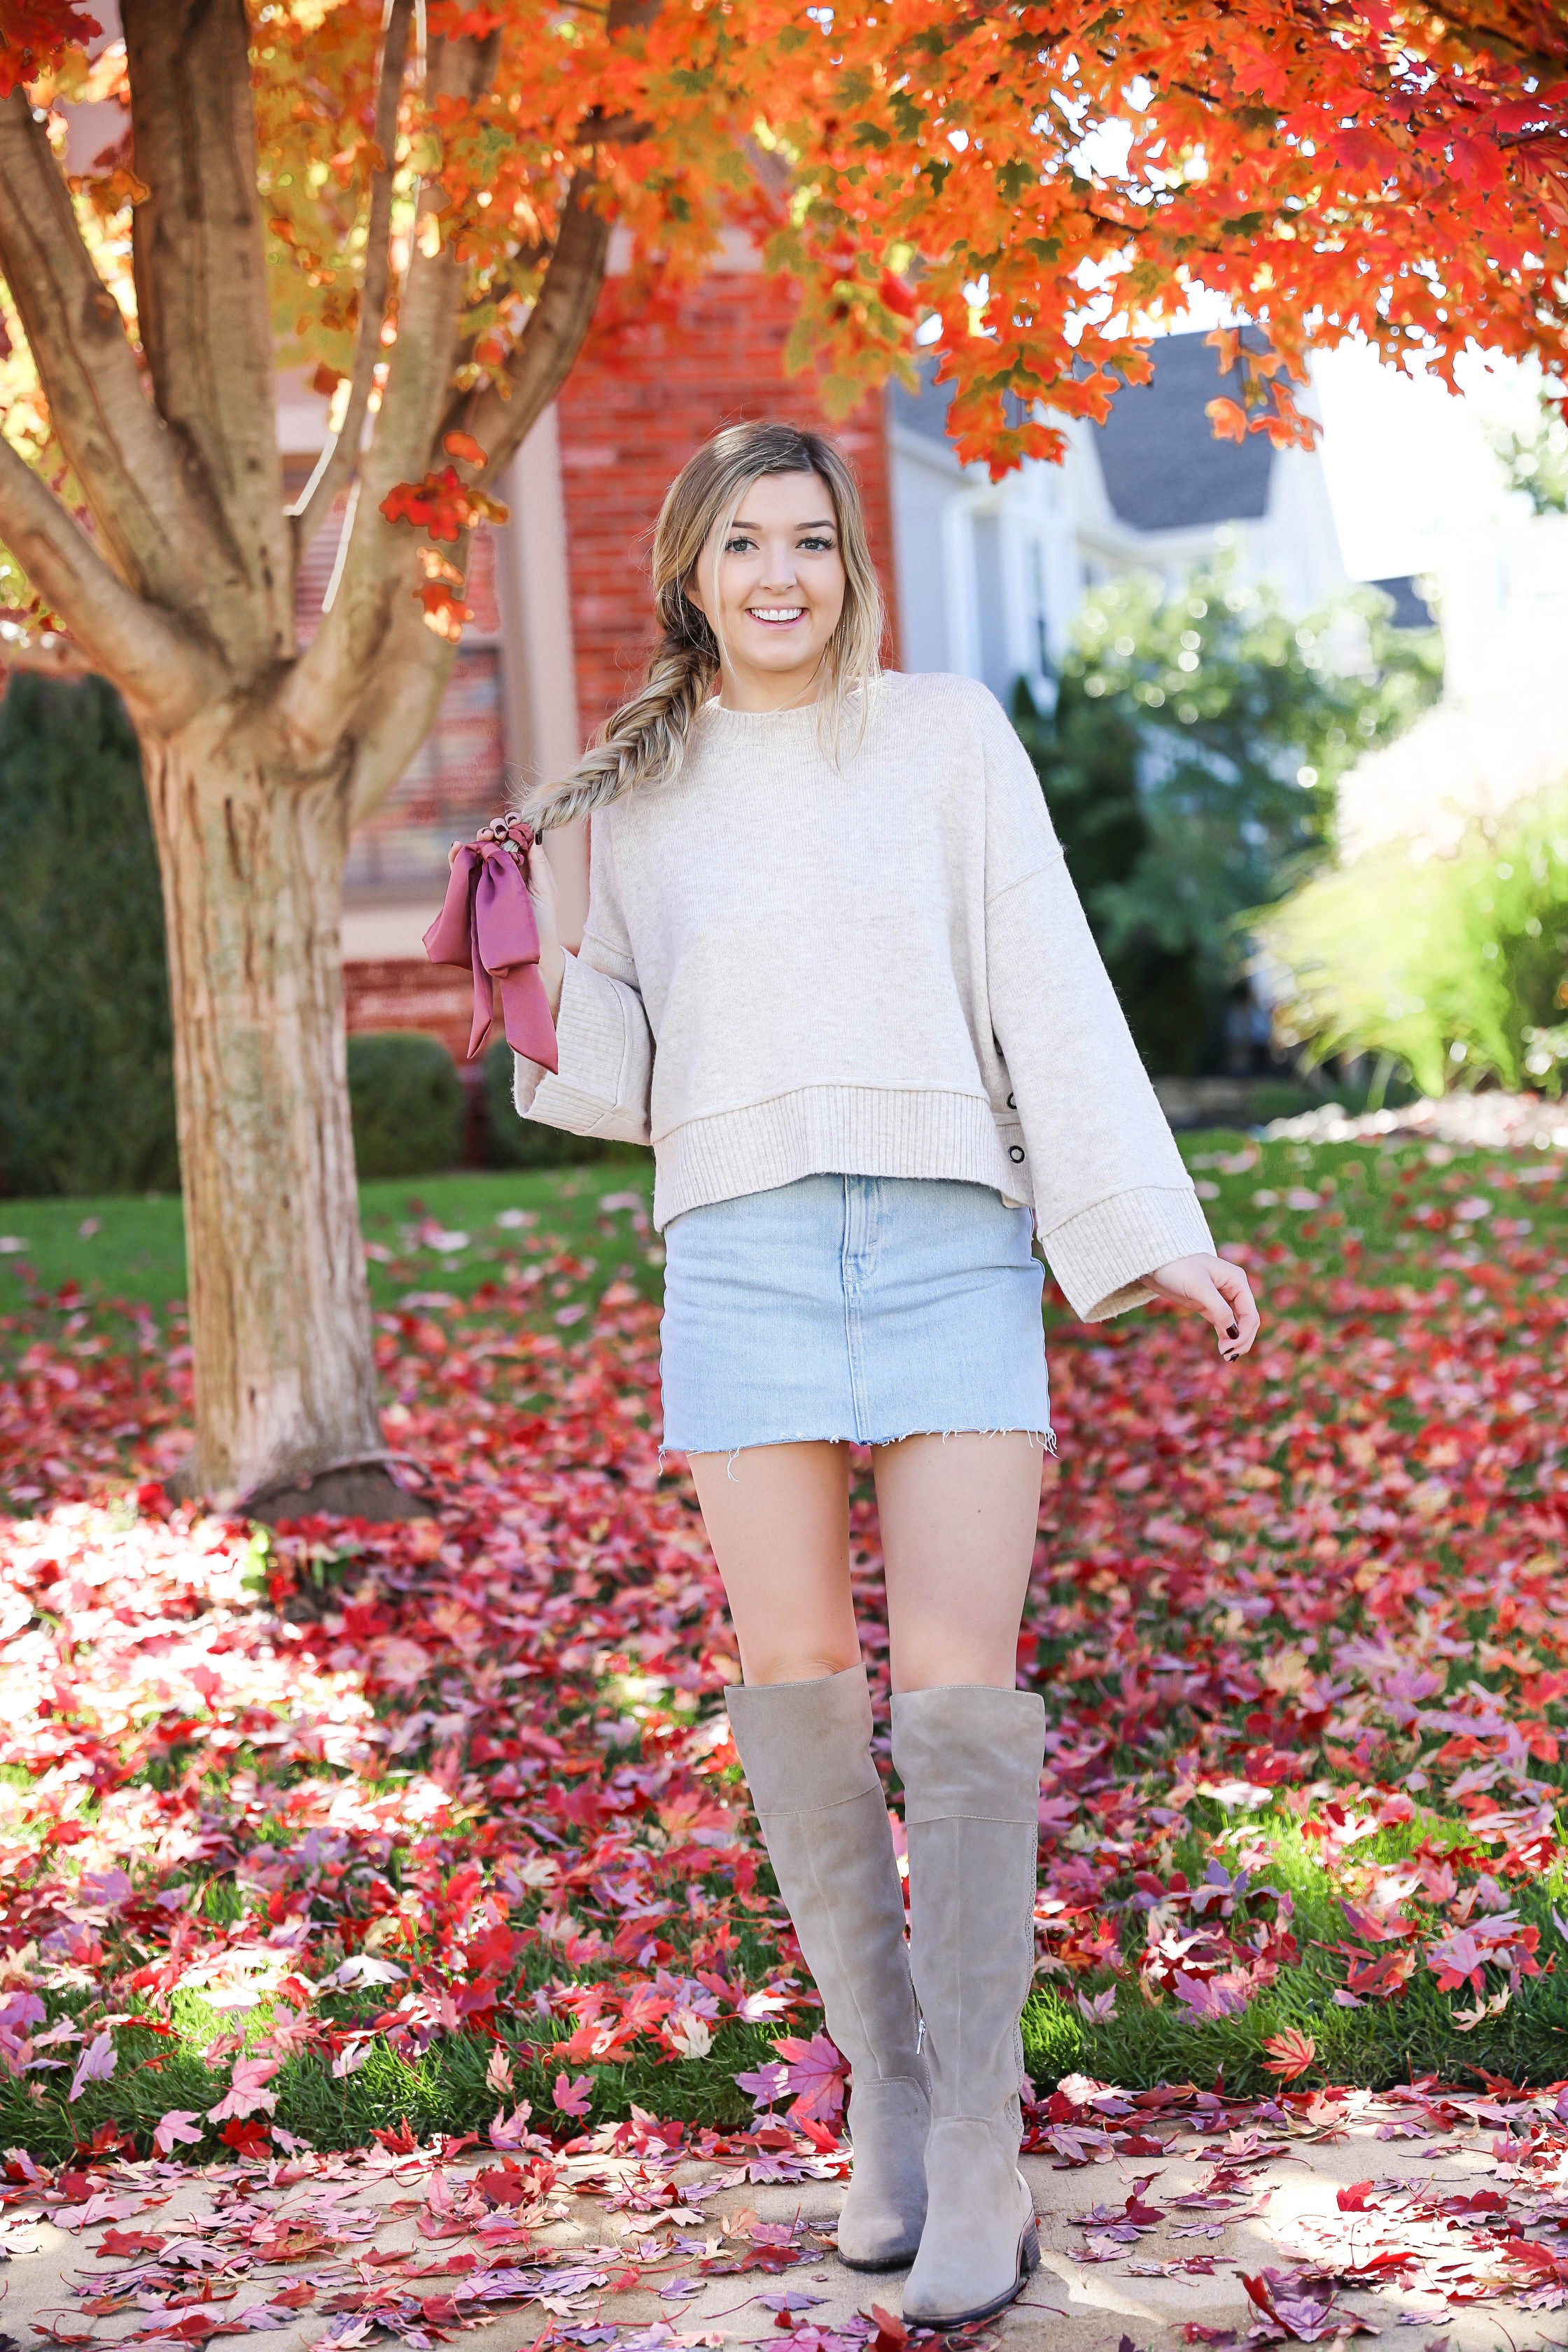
991, 575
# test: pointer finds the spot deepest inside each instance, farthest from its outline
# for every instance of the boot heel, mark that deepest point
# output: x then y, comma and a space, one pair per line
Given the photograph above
1029, 2248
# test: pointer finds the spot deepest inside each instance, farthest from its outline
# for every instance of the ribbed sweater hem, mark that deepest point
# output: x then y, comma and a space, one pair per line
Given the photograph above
831, 1131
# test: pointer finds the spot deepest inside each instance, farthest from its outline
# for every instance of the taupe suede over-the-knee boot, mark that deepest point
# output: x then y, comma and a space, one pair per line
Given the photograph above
806, 1749
969, 1758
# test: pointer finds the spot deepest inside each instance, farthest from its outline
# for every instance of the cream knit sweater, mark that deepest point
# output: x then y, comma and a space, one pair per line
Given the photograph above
792, 968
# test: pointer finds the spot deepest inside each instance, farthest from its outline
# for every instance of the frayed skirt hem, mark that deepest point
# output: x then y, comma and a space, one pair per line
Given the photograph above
1046, 1439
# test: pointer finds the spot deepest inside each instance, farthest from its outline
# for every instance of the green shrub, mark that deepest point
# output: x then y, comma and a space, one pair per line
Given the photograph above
1189, 764
515, 1142
1451, 968
407, 1104
87, 1091
1536, 460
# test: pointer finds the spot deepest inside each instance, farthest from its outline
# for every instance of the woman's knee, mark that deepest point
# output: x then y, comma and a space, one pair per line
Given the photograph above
780, 1660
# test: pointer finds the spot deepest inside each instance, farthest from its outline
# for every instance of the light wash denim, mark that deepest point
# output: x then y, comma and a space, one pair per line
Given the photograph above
866, 1308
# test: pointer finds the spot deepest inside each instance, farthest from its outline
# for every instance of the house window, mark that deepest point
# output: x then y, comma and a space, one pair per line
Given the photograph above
456, 777
455, 780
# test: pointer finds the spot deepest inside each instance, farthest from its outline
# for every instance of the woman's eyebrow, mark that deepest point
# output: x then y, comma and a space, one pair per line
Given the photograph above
826, 524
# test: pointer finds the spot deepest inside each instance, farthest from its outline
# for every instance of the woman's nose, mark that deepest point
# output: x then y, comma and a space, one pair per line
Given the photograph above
780, 568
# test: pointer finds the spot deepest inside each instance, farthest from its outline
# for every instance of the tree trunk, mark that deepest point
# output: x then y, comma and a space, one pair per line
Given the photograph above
252, 858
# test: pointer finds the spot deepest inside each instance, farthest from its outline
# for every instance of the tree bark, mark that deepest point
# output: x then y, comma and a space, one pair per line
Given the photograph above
252, 857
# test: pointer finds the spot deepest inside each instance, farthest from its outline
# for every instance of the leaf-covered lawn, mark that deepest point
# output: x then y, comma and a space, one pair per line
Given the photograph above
302, 1836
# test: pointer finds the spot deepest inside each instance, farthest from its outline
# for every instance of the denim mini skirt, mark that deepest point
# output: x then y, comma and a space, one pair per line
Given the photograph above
860, 1307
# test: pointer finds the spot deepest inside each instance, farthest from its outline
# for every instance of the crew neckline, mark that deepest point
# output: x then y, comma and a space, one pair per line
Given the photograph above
797, 718
801, 713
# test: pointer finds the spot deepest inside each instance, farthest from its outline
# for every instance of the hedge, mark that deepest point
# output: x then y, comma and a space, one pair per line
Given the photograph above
87, 1090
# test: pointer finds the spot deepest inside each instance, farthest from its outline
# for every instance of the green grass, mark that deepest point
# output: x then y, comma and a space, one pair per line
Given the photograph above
135, 1248
1374, 2046
444, 2091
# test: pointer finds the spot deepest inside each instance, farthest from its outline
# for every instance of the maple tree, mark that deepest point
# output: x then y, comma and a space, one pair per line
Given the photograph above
420, 204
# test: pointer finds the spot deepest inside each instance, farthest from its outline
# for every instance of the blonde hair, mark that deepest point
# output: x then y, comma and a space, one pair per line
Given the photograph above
645, 740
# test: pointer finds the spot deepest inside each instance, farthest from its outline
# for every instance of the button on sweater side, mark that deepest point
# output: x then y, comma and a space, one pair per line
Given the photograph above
876, 966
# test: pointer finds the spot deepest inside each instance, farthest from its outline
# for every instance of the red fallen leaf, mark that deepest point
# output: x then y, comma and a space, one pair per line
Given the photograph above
129, 2241
1481, 2201
506, 2186
1382, 1978
1358, 2198
398, 2142
1538, 2258
815, 2075
295, 2297
1138, 2144
891, 2333
821, 2136
1389, 1929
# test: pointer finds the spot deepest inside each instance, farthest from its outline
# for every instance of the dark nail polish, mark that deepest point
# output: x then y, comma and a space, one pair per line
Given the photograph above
1233, 1332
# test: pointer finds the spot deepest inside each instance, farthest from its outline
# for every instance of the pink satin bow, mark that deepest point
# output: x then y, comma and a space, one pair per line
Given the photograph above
487, 924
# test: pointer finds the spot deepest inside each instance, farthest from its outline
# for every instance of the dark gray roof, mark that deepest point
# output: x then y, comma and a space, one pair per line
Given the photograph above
1164, 468
926, 411
1411, 610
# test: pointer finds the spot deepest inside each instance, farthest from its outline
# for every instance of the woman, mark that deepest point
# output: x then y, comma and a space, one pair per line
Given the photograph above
834, 970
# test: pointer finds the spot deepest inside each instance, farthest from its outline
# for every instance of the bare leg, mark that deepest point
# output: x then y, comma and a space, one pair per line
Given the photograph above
778, 1519
959, 1517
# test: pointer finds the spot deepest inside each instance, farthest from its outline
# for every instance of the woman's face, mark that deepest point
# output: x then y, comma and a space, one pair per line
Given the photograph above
771, 586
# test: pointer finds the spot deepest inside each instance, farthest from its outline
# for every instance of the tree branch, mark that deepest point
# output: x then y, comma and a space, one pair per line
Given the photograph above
338, 458
548, 346
162, 675
329, 678
49, 656
409, 681
202, 302
126, 461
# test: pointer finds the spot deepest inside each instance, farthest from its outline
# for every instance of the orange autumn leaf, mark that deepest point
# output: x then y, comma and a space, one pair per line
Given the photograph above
1382, 168
1229, 422
1289, 2053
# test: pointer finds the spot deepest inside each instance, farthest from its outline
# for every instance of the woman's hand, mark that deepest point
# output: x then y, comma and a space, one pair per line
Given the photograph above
1219, 1290
541, 879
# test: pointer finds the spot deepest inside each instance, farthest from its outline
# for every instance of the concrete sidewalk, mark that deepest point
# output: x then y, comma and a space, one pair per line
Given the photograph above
1154, 2270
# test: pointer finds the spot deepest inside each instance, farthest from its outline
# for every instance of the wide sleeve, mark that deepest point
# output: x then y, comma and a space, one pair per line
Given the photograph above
1112, 1199
602, 1042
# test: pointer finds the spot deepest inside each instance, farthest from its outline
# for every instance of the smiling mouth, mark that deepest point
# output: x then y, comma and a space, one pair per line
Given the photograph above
773, 616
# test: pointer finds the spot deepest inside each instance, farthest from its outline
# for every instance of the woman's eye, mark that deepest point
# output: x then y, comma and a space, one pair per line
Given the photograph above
737, 547
817, 546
